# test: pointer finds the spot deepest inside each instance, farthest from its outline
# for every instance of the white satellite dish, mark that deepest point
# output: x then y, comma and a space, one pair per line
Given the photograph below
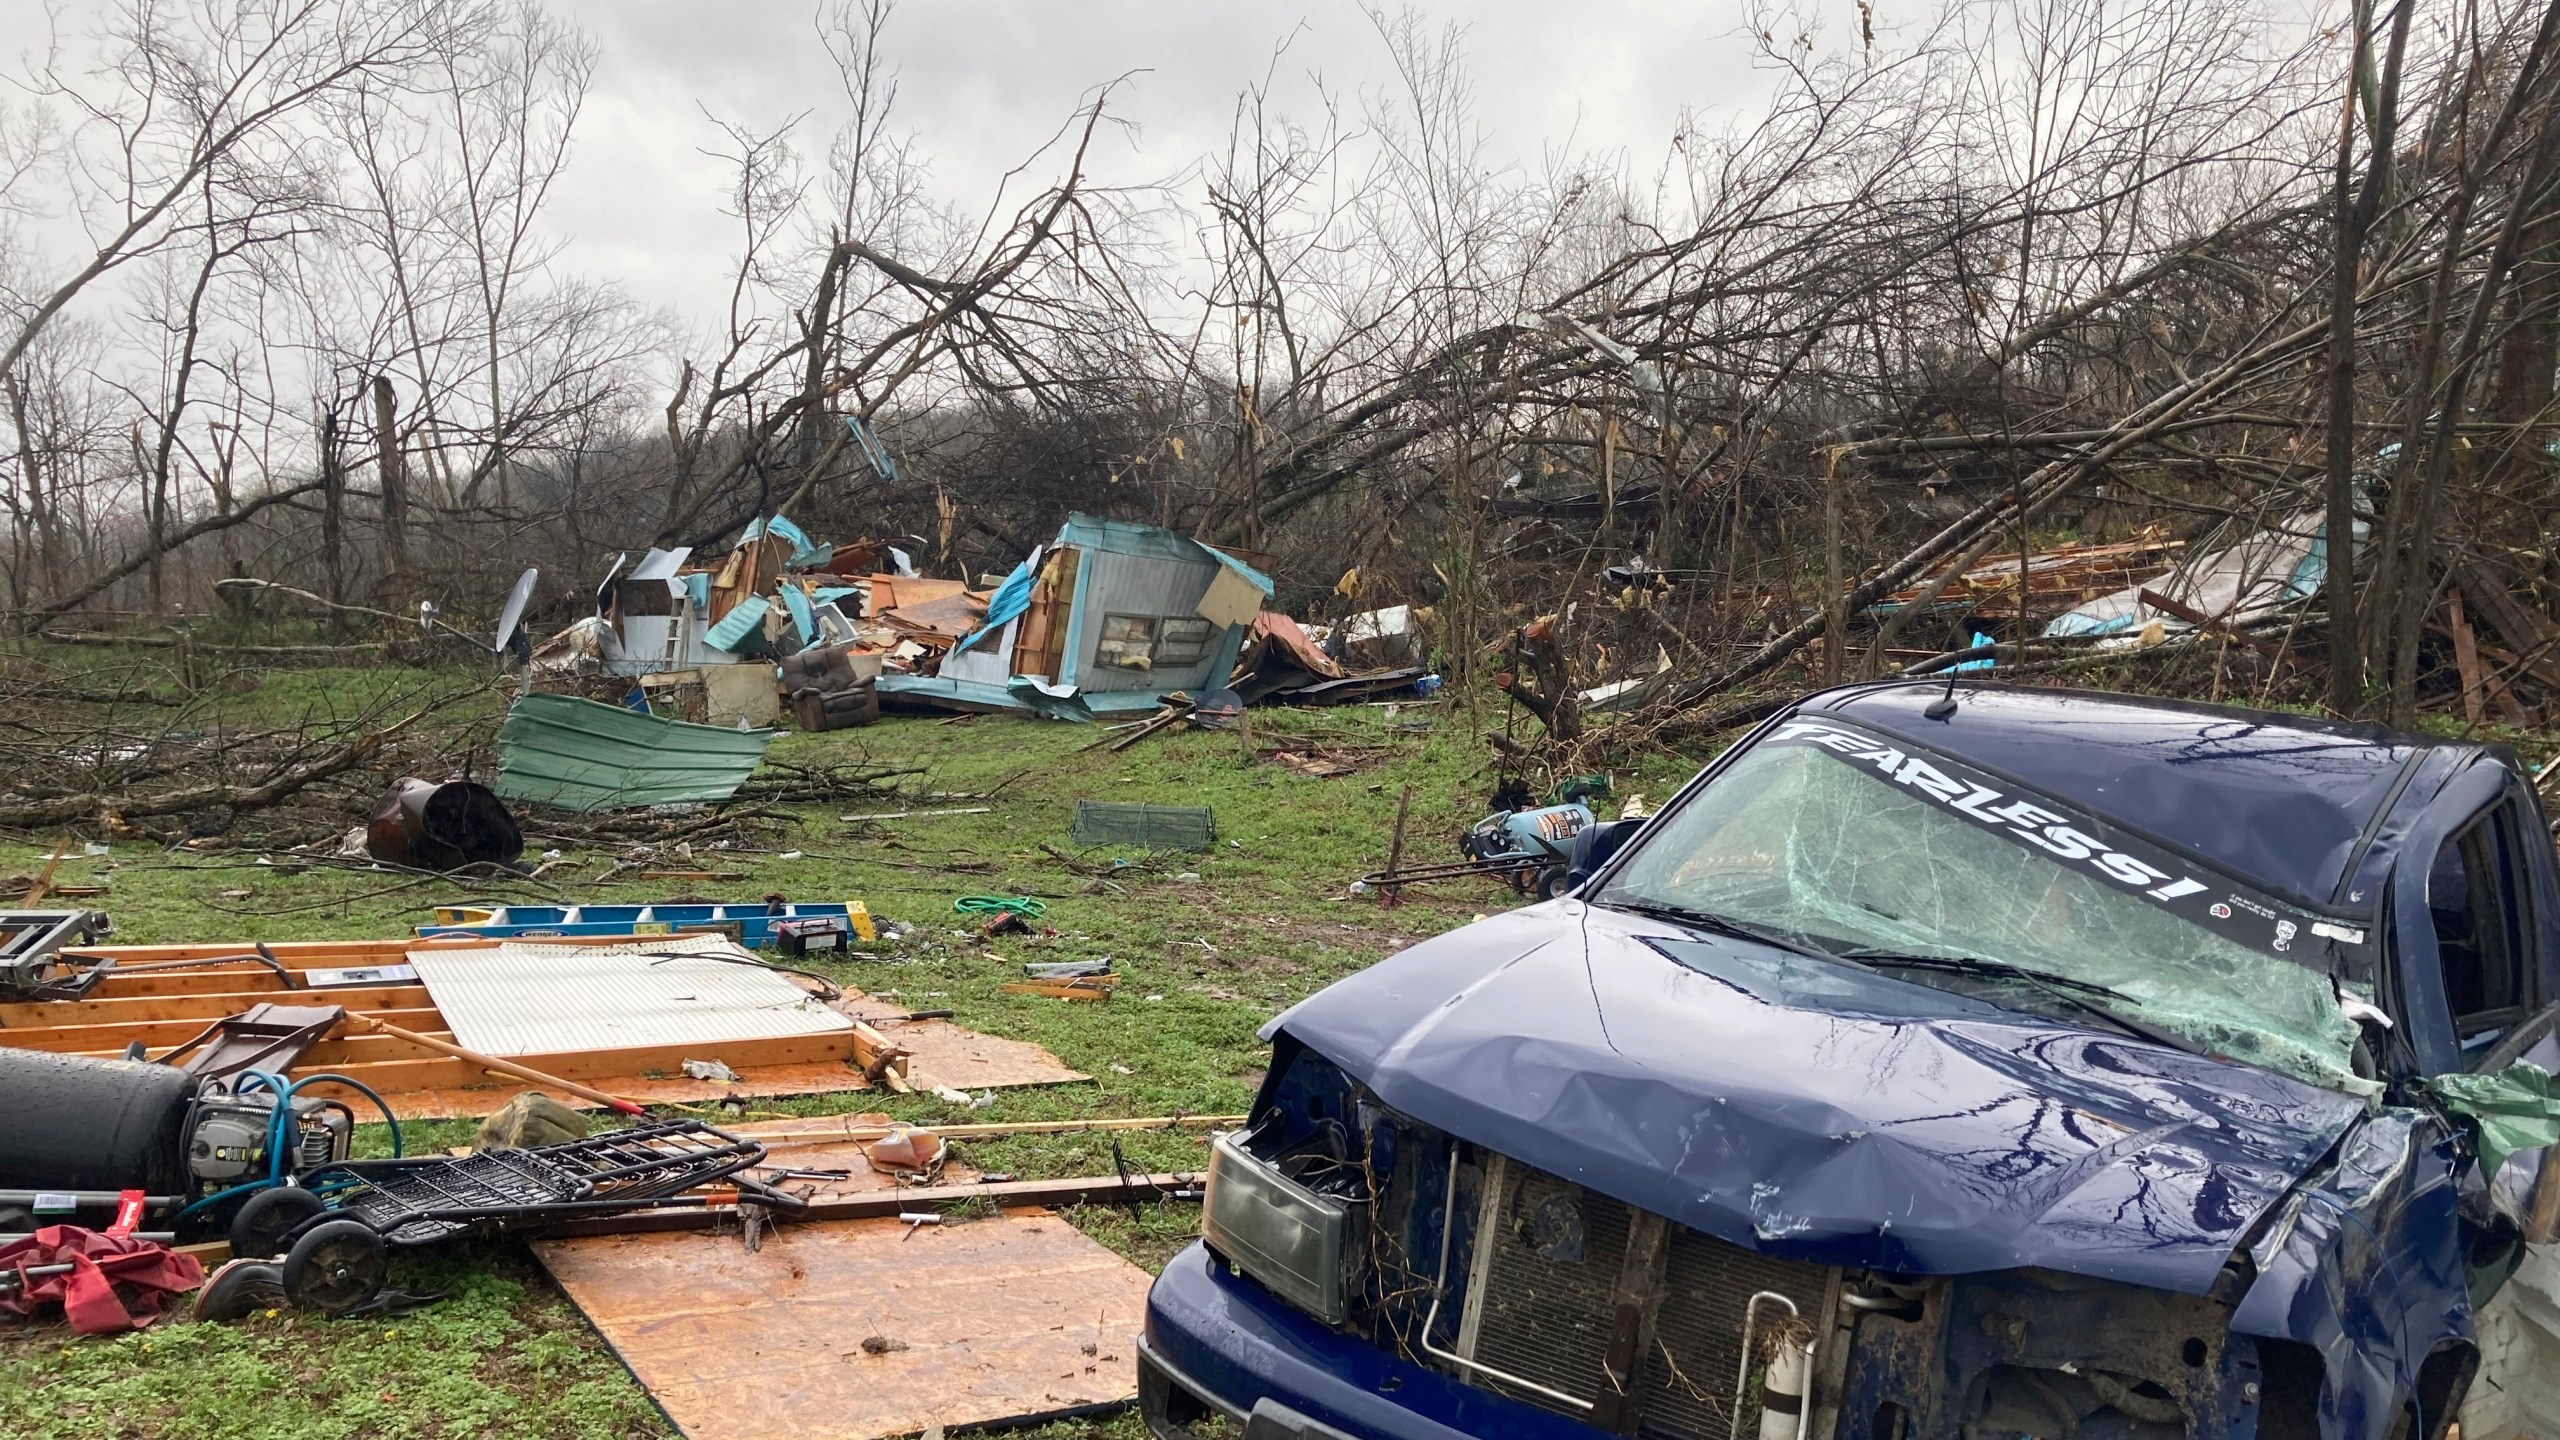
513, 615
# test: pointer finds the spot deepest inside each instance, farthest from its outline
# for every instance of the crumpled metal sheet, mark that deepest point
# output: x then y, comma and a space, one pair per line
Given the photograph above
1817, 1112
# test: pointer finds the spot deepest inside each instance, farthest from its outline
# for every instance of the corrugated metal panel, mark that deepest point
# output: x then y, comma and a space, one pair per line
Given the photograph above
1112, 584
527, 999
581, 755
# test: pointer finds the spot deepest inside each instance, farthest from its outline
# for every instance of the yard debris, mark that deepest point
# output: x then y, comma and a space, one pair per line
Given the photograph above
1526, 845
32, 966
428, 826
104, 1282
529, 1120
757, 924
1151, 827
1081, 987
580, 755
2243, 573
1108, 618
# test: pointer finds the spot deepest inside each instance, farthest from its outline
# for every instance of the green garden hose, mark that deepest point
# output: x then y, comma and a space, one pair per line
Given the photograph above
982, 905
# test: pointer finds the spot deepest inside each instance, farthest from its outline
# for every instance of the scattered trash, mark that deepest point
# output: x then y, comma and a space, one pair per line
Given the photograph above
908, 1149
708, 1070
530, 1120
1066, 969
104, 1283
1529, 847
1107, 619
430, 826
755, 924
580, 755
1152, 827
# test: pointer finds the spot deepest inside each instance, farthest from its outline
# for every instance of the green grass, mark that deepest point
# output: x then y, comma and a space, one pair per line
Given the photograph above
1205, 962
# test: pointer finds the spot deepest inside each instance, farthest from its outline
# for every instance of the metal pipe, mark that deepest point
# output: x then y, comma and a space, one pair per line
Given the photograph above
1440, 1288
1742, 1373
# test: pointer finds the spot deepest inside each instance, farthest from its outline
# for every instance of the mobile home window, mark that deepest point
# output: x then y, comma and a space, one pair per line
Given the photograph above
1128, 642
1183, 640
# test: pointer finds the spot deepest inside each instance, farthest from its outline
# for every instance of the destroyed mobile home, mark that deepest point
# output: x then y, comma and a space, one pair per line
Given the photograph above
1109, 619
1942, 1062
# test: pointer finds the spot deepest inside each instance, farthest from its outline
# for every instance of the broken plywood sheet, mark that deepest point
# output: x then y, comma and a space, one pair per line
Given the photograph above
941, 1053
1003, 1319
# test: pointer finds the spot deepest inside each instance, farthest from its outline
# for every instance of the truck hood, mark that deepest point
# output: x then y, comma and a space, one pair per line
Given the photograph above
1819, 1112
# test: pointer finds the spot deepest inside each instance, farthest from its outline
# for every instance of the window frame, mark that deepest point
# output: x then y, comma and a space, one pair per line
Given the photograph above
1112, 655
1200, 650
2500, 893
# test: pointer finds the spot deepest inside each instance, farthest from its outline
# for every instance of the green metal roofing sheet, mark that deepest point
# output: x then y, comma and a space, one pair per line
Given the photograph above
582, 755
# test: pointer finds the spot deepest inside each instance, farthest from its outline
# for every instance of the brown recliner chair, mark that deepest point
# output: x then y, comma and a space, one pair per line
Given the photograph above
825, 691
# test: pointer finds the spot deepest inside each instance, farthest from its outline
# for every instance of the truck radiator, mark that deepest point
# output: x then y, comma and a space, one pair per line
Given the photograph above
1541, 1307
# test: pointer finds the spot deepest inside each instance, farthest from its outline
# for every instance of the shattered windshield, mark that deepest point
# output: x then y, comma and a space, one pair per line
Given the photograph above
1849, 844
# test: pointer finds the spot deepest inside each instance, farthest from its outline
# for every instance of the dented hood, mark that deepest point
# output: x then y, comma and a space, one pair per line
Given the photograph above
1819, 1112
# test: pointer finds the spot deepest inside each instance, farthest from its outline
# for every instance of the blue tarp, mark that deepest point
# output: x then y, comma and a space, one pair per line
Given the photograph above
1011, 599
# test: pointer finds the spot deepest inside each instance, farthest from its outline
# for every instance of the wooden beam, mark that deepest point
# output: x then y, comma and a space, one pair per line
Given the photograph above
202, 1009
881, 1204
2466, 656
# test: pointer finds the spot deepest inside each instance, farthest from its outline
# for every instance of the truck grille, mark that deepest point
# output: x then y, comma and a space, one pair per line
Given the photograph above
1542, 1306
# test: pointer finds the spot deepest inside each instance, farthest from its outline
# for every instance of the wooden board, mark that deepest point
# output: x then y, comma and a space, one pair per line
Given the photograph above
463, 1101
941, 1053
1002, 1319
163, 1009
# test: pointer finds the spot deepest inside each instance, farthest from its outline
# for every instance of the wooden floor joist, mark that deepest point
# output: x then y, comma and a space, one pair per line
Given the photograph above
162, 1009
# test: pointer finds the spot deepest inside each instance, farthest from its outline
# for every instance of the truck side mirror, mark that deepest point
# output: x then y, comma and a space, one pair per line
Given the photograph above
1593, 847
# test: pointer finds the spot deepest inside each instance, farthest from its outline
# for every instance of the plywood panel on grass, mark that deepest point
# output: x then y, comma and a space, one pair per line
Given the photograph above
1001, 1319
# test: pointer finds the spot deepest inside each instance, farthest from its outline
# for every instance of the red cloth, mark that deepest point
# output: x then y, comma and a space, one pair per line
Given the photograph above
115, 1281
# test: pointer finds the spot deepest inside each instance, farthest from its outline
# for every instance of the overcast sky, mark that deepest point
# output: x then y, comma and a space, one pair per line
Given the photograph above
982, 82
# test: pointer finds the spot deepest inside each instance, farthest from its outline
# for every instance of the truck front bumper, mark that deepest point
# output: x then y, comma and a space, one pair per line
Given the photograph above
1219, 1344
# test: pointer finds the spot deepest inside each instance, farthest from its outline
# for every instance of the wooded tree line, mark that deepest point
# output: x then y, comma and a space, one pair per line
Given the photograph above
279, 298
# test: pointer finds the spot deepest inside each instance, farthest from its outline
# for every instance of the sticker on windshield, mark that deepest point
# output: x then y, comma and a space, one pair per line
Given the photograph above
2199, 896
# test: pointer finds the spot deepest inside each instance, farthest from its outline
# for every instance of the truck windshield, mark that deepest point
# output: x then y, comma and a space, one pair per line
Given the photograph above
1810, 843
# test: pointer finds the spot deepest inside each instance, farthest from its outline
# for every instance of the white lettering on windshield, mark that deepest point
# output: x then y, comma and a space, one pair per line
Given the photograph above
2024, 819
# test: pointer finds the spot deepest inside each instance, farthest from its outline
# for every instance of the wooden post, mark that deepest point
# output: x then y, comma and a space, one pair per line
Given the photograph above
1835, 611
2466, 656
1395, 848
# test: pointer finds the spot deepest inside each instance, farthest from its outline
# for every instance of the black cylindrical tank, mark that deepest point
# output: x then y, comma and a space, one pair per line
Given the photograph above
68, 1122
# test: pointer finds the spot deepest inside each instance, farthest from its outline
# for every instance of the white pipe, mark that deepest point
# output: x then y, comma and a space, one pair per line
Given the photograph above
1742, 1372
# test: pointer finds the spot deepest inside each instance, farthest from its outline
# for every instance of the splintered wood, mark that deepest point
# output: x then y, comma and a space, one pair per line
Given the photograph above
862, 1328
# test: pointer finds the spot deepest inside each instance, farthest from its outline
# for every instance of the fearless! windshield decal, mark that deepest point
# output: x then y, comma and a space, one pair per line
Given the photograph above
2204, 898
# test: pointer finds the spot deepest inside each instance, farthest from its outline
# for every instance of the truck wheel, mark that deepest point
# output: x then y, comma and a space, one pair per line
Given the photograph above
258, 1231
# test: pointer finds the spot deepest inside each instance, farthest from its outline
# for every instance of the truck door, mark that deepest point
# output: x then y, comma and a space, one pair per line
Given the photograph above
2480, 907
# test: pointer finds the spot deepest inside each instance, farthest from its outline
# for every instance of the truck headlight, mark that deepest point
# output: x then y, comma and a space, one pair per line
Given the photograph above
1299, 1243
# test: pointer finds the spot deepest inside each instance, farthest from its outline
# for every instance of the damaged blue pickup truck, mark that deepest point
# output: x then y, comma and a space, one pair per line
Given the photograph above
1957, 1062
